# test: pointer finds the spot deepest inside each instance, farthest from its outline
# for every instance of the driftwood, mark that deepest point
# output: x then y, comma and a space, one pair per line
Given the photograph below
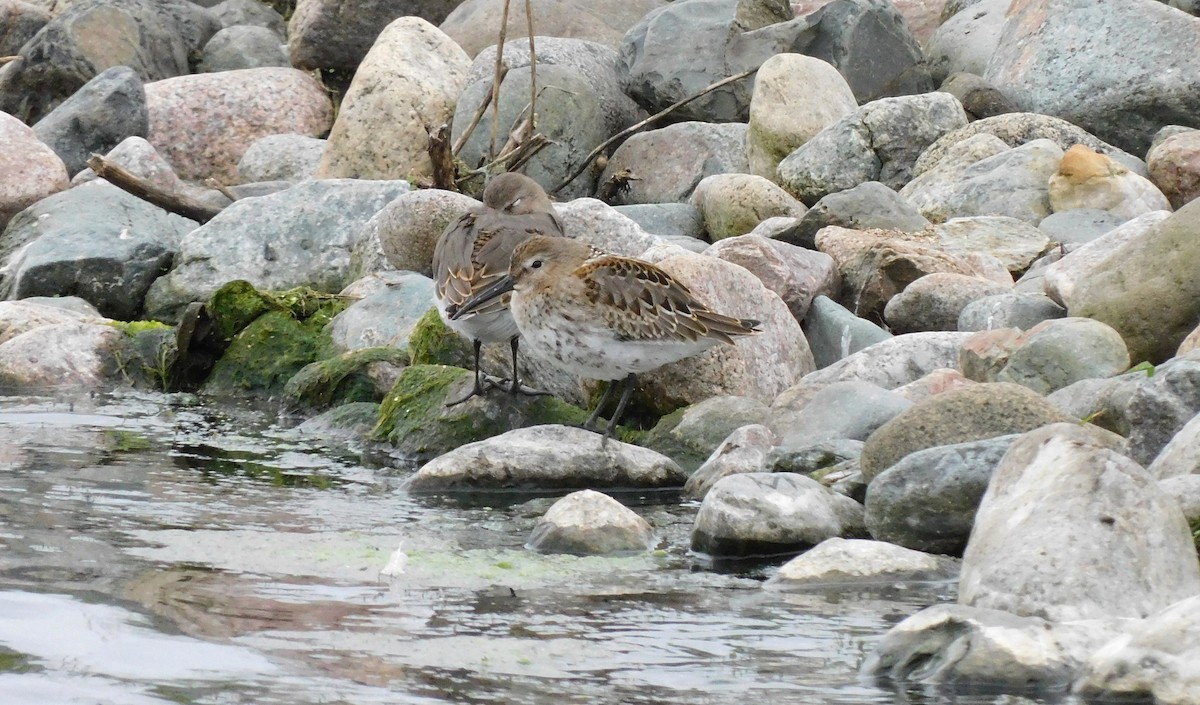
171, 201
442, 157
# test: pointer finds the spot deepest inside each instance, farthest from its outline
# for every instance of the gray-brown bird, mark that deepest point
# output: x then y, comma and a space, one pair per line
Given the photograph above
474, 252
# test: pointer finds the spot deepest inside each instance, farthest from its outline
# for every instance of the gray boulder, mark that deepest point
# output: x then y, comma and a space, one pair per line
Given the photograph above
96, 118
243, 47
250, 13
696, 432
979, 98
1161, 404
890, 363
1057, 353
474, 24
796, 274
867, 205
967, 39
935, 301
588, 523
140, 158
1078, 226
858, 563
1014, 242
21, 21
1012, 310
1181, 456
842, 410
404, 233
335, 36
285, 157
670, 220
834, 333
386, 316
670, 161
744, 450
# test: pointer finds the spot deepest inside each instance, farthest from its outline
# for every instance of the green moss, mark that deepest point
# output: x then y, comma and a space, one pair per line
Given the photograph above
433, 343
663, 439
266, 354
145, 356
121, 441
337, 380
133, 328
234, 306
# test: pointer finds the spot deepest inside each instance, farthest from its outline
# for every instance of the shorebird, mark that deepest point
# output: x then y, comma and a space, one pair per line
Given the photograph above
474, 252
602, 316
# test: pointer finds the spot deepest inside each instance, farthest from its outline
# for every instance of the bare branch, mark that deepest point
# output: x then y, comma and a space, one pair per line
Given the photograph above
496, 79
483, 106
533, 91
442, 158
152, 193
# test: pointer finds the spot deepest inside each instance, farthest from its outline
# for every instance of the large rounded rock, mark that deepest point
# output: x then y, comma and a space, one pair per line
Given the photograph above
966, 40
1174, 167
242, 47
587, 523
670, 161
17, 317
858, 562
763, 514
335, 35
745, 450
1014, 242
842, 410
1069, 529
1061, 277
869, 205
406, 231
140, 158
1088, 179
474, 24
733, 204
1060, 352
249, 13
970, 413
797, 275
935, 301
1181, 456
405, 87
834, 332
96, 118
29, 170
387, 316
1013, 310
60, 355
541, 458
286, 157
21, 21
204, 123
1160, 405
692, 434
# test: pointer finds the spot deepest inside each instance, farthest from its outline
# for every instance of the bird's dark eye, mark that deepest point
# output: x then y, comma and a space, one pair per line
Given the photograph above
536, 264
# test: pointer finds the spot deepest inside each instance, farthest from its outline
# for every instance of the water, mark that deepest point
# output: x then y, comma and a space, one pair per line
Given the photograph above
154, 549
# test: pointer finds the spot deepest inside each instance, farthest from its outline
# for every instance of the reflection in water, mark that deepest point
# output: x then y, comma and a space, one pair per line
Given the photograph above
153, 550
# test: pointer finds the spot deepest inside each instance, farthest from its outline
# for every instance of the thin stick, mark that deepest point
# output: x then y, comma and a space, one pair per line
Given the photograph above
532, 72
6, 59
483, 106
151, 193
214, 184
496, 79
634, 128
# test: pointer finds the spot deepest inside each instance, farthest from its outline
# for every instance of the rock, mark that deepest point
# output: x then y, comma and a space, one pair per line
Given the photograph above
1160, 405
348, 423
1014, 242
250, 13
979, 98
94, 241
1145, 58
745, 450
935, 382
842, 410
204, 123
966, 40
29, 170
733, 204
1011, 183
691, 434
1181, 456
834, 333
287, 157
96, 118
797, 275
927, 500
604, 227
1073, 228
152, 37
890, 363
474, 23
1174, 167
670, 161
1062, 503
1057, 353
764, 514
406, 230
1149, 292
243, 47
284, 240
414, 71
588, 523
867, 206
1062, 277
21, 21
1190, 343
858, 562
971, 413
139, 157
795, 97
543, 458
821, 460
59, 356
1088, 179
335, 36
1011, 310
385, 317
879, 142
1185, 490
1155, 658
17, 317
670, 220
935, 301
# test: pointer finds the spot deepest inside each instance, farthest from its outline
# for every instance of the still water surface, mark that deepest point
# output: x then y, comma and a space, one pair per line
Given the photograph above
157, 549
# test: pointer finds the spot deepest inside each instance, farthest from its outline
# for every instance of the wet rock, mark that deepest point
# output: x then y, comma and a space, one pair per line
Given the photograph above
139, 157
879, 142
691, 434
204, 123
250, 13
299, 237
795, 97
797, 275
670, 161
474, 23
744, 450
542, 458
1061, 277
362, 375
834, 333
969, 413
842, 410
414, 70
979, 98
96, 118
838, 561
1088, 179
670, 220
335, 36
346, 423
732, 204
432, 342
589, 523
1149, 292
243, 47
1181, 456
94, 241
1012, 310
1011, 183
1014, 242
762, 514
1155, 658
890, 363
820, 459
152, 37
386, 316
935, 301
1160, 405
29, 170
1063, 503
17, 317
966, 40
1174, 167
287, 157
1123, 101
927, 500
404, 233
59, 356
869, 205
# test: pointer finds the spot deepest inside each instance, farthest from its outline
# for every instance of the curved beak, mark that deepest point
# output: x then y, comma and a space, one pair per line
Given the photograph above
502, 286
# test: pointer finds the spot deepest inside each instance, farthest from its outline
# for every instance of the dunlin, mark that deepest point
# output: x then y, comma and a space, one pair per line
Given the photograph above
602, 316
474, 252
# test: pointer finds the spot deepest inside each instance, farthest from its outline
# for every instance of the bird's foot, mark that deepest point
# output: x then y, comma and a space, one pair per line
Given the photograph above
486, 383
515, 388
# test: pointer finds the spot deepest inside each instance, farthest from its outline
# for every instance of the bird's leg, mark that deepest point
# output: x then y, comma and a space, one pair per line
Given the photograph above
630, 383
479, 388
590, 424
516, 387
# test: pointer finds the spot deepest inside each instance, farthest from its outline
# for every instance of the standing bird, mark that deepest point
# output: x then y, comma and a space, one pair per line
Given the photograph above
603, 316
474, 252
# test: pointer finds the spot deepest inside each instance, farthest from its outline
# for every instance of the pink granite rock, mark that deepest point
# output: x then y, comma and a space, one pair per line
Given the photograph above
1174, 166
29, 170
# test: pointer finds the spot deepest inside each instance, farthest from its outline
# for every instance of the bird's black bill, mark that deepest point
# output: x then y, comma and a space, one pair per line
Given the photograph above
500, 288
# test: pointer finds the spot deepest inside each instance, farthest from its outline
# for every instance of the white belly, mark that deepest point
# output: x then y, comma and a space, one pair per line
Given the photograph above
495, 327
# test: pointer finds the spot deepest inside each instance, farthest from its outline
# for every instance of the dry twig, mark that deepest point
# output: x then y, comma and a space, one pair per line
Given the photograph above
152, 193
496, 77
483, 106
